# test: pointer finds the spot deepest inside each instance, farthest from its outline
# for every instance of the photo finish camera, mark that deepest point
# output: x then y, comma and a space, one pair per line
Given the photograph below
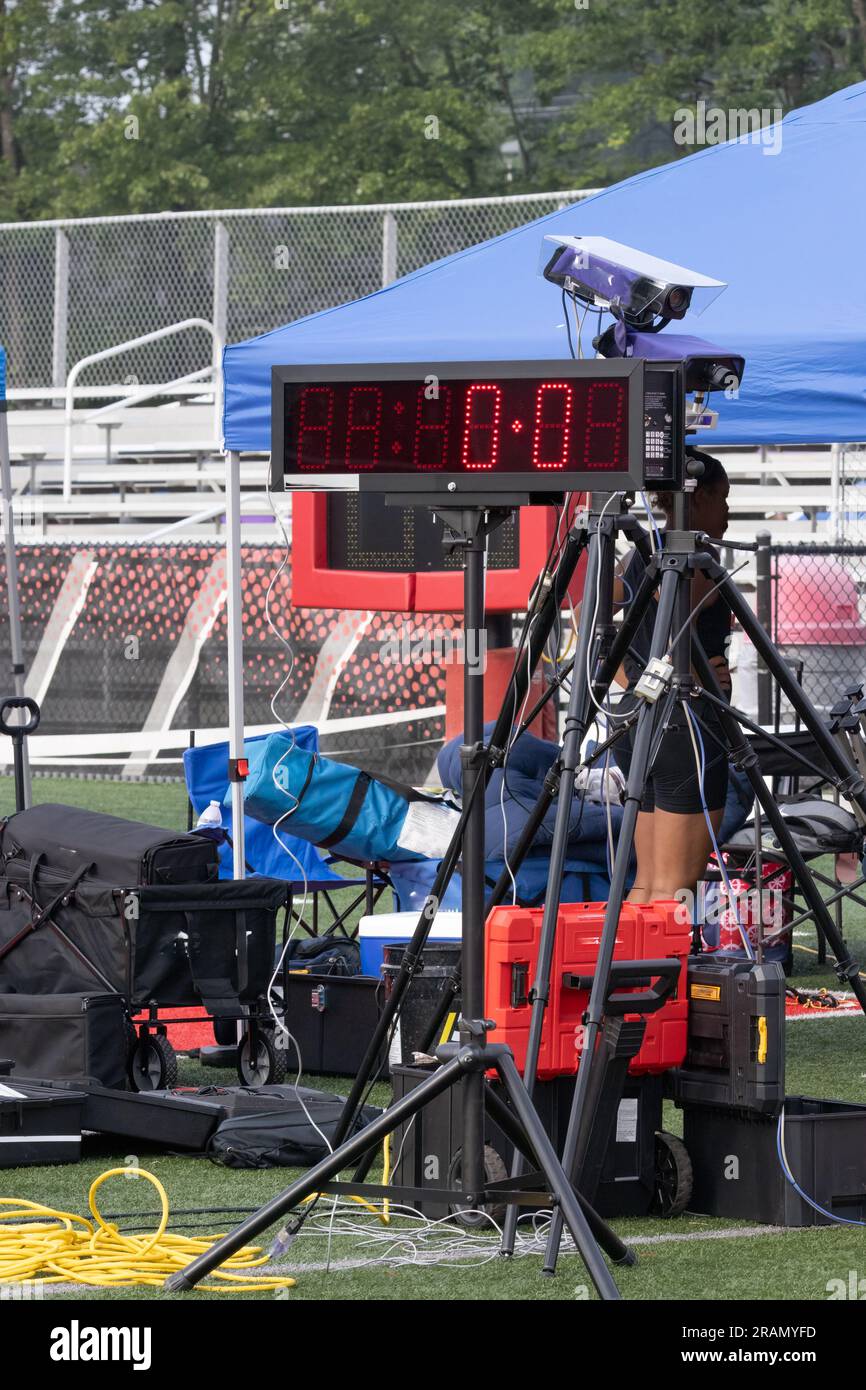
640, 290
643, 294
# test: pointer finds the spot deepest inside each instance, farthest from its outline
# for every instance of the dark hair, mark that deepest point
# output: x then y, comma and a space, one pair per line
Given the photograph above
713, 474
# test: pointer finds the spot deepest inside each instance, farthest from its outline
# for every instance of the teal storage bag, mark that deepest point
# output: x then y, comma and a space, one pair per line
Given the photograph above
338, 807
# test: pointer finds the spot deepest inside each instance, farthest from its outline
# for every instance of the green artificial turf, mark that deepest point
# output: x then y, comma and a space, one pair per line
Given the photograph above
825, 1058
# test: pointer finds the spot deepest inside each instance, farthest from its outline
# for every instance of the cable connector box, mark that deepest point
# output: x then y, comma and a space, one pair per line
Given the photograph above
654, 679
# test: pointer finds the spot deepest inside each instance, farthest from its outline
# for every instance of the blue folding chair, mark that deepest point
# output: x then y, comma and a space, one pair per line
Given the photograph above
206, 770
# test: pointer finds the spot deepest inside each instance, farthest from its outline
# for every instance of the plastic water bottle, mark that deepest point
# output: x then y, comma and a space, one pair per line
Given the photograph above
211, 817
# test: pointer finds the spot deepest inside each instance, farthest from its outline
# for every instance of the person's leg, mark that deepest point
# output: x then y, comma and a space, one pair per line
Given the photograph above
644, 848
681, 837
680, 850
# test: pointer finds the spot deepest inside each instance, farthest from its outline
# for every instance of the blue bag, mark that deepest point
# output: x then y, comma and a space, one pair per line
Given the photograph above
341, 808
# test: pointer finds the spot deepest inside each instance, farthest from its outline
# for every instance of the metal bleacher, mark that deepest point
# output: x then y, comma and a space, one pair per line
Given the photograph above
139, 468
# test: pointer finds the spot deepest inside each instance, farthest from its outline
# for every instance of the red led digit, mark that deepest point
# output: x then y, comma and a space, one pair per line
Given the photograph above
315, 418
363, 423
485, 400
552, 434
432, 419
603, 412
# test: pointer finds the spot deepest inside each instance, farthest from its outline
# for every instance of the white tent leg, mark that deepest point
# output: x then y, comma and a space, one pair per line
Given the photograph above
16, 644
235, 648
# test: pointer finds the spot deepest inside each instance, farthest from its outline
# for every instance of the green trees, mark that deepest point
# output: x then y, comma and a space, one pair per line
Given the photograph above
138, 105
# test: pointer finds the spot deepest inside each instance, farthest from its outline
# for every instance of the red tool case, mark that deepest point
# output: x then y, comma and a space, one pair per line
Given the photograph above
645, 932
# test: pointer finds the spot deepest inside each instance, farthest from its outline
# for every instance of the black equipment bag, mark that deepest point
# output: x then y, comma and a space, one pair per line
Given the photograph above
127, 853
282, 1130
817, 826
325, 955
208, 943
66, 1036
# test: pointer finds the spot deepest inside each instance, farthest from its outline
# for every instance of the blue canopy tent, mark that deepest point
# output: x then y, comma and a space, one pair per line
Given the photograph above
782, 228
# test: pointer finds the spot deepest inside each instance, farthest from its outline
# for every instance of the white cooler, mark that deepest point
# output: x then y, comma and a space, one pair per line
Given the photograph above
395, 929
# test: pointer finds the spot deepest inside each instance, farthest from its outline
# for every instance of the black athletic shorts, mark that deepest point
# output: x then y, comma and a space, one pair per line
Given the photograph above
673, 783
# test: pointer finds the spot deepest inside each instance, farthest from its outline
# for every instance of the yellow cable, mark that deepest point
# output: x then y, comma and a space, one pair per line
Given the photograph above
810, 951
66, 1248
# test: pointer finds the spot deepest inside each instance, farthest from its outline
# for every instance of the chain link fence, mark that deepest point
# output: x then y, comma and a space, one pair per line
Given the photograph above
132, 637
72, 288
812, 600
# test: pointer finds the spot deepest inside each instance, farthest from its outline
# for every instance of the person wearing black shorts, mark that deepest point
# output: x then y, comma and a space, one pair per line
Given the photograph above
672, 841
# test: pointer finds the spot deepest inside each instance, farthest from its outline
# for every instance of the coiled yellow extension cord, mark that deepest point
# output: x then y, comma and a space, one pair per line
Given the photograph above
70, 1249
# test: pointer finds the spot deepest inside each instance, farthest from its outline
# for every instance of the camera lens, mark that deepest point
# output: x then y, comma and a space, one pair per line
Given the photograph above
677, 301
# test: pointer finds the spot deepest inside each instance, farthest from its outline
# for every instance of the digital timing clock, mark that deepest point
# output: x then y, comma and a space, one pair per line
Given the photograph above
459, 428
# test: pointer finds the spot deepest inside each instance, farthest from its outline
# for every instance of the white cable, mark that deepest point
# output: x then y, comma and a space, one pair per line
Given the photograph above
609, 714
700, 764
655, 533
280, 1020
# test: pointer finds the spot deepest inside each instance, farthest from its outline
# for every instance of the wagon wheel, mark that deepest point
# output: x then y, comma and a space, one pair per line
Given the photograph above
673, 1177
153, 1063
475, 1218
263, 1064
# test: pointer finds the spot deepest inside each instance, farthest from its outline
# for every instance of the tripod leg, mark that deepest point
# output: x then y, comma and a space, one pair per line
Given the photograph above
673, 582
320, 1173
613, 1246
560, 1187
598, 556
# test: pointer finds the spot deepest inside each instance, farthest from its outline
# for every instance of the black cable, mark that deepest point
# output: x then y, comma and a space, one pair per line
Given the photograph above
567, 324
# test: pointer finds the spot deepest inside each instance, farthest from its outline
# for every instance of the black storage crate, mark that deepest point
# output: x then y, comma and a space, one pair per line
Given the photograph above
425, 1149
332, 1019
66, 1036
825, 1142
39, 1124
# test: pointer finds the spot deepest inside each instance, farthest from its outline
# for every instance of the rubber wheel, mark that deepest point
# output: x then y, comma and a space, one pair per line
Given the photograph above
477, 1218
674, 1177
153, 1063
264, 1066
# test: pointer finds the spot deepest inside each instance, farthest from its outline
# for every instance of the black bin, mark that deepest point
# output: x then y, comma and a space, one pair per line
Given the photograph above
423, 1000
825, 1144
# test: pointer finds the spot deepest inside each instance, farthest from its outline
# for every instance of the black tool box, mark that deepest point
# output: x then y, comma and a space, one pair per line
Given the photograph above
39, 1124
427, 1150
735, 1053
171, 1119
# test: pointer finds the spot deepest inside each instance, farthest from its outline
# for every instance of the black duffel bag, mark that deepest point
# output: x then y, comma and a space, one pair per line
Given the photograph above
127, 853
279, 1126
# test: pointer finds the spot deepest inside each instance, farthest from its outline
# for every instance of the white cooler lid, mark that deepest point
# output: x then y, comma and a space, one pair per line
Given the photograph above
447, 926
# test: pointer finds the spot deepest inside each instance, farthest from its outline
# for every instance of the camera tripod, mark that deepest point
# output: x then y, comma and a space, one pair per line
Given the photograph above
468, 1060
670, 572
